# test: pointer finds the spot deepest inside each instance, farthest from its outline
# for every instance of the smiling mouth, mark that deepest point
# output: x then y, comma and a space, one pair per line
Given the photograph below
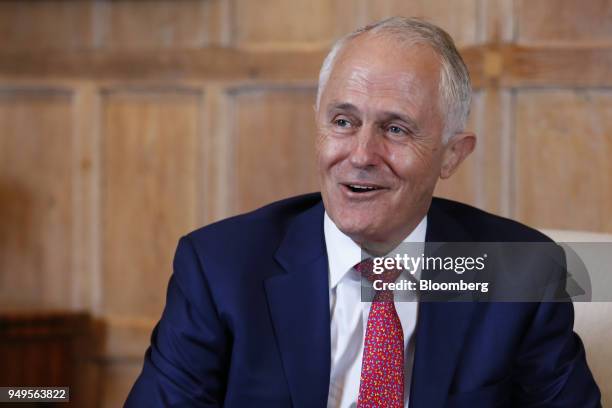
361, 188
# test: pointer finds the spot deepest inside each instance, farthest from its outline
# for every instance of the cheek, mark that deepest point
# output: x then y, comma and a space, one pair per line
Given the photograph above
417, 164
330, 150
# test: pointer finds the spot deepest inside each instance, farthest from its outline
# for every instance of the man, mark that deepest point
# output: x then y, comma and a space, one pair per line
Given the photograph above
263, 309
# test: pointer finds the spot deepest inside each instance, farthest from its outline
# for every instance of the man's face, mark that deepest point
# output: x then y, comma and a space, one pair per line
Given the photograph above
379, 145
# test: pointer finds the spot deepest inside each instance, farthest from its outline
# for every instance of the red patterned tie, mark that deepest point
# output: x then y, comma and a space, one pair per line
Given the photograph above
382, 368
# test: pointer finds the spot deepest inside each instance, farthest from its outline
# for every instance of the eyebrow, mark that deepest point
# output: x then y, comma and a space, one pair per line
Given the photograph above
390, 115
343, 106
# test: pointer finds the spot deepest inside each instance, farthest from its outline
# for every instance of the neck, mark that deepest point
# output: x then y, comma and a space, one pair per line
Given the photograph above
378, 248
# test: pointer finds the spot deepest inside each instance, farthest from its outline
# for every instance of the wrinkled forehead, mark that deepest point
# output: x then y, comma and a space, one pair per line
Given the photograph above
374, 82
380, 68
388, 50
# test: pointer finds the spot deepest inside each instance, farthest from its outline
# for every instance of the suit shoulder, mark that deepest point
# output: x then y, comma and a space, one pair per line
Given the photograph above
484, 226
263, 224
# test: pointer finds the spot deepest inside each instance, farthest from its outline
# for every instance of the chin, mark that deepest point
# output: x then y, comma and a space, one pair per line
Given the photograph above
357, 227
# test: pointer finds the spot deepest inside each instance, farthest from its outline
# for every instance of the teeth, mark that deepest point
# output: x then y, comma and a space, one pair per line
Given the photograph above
363, 188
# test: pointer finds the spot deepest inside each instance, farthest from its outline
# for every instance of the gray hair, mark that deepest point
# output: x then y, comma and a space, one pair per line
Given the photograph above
455, 89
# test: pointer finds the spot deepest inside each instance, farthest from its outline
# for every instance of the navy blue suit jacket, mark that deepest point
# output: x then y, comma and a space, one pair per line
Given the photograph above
247, 323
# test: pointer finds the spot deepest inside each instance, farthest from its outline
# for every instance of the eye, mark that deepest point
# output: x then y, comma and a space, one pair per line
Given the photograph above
396, 130
342, 122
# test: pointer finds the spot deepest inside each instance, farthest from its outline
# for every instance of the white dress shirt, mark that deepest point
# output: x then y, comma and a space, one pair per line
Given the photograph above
349, 316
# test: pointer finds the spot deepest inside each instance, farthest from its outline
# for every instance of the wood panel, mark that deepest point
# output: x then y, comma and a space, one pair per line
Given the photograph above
458, 18
563, 150
125, 342
504, 65
150, 195
273, 140
564, 21
556, 67
291, 24
35, 197
48, 349
496, 17
85, 215
157, 24
496, 126
116, 382
51, 25
126, 338
169, 65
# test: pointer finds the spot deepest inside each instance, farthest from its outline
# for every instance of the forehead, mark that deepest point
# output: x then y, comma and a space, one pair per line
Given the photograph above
378, 70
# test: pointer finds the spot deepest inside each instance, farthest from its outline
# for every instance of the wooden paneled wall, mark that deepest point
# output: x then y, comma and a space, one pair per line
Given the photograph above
125, 124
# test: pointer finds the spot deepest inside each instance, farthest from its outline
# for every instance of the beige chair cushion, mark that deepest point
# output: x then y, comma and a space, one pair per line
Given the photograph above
593, 320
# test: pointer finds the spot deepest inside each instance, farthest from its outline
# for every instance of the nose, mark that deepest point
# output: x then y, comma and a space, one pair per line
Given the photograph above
366, 147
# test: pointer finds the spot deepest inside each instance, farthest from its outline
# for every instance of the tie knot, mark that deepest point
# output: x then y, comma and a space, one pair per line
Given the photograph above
366, 269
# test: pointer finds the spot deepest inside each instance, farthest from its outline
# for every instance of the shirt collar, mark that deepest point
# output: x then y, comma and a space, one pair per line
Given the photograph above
343, 253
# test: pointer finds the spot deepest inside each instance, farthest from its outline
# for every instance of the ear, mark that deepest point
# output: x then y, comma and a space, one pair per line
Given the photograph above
456, 150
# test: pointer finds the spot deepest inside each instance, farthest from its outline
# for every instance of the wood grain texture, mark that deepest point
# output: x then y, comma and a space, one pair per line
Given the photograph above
35, 197
117, 379
495, 126
48, 349
150, 156
518, 66
273, 145
458, 18
556, 67
126, 338
85, 215
169, 65
156, 24
564, 21
496, 21
563, 147
218, 144
46, 25
291, 24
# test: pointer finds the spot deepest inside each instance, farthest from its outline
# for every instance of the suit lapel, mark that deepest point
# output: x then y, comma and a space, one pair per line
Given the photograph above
441, 327
299, 306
